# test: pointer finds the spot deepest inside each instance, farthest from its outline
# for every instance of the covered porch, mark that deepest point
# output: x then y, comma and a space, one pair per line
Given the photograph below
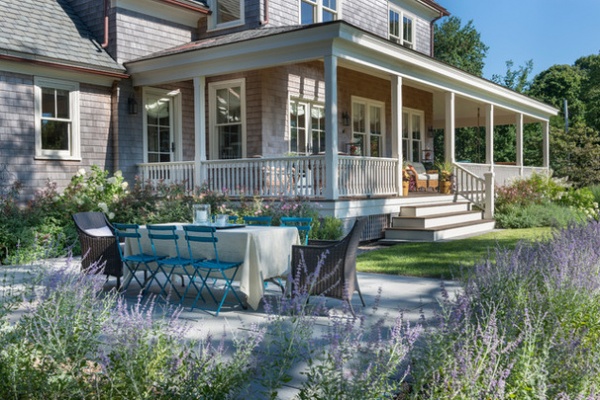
415, 97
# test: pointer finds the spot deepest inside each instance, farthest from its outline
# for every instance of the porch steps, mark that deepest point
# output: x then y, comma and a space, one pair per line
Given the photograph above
434, 222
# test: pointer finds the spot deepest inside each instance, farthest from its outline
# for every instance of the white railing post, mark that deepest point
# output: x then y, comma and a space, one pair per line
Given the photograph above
489, 196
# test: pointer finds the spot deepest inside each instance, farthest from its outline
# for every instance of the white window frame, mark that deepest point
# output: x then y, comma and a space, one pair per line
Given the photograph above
215, 25
212, 101
309, 105
318, 10
368, 103
408, 142
176, 119
74, 150
400, 39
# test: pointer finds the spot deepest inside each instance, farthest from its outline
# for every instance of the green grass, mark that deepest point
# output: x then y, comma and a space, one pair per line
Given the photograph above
443, 259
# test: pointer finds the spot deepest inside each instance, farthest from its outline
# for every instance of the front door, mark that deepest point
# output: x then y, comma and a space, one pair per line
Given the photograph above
160, 140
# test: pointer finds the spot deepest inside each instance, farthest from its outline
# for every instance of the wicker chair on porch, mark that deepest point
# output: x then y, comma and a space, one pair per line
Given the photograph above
337, 276
424, 179
98, 244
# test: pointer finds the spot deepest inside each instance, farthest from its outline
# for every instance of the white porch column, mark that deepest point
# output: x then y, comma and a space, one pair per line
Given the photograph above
489, 135
397, 128
546, 143
331, 128
450, 128
490, 202
200, 130
519, 144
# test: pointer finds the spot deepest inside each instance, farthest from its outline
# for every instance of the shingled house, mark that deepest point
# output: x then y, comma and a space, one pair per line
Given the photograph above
320, 99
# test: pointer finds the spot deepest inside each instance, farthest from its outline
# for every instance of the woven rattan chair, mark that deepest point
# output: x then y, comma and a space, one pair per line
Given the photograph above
98, 244
337, 276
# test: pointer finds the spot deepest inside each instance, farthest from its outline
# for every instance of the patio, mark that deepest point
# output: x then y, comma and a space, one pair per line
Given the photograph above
411, 296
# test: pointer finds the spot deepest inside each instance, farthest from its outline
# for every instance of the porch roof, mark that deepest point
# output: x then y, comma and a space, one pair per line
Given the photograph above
355, 48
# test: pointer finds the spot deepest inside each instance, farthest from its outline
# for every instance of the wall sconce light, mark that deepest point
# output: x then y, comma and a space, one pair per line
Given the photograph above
132, 105
345, 118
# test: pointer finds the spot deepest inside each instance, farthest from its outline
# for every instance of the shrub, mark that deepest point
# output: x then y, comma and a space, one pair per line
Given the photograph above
538, 215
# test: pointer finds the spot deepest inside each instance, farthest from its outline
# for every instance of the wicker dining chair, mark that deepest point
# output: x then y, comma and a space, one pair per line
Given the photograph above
98, 244
337, 275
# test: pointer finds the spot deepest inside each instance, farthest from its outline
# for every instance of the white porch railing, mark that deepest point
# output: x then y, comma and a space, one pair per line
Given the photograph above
470, 186
504, 174
168, 173
284, 176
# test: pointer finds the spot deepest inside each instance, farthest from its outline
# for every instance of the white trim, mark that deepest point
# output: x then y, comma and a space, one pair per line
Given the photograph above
212, 101
176, 119
74, 151
56, 73
213, 25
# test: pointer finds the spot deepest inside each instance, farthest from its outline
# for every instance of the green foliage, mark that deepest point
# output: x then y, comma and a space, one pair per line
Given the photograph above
44, 228
515, 79
460, 46
576, 154
543, 201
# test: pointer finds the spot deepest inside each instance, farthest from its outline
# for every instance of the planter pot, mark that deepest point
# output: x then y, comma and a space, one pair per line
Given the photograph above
445, 187
405, 186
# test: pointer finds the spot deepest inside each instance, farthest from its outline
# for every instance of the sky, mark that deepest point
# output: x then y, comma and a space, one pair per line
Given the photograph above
549, 32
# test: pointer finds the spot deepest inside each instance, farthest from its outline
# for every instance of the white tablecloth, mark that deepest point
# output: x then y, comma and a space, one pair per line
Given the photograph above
265, 251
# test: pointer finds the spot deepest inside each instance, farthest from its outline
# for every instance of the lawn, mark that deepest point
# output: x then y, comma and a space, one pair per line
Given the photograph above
443, 259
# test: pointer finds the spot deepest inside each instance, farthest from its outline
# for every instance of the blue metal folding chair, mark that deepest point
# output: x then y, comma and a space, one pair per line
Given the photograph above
168, 265
203, 269
134, 261
233, 219
262, 220
302, 223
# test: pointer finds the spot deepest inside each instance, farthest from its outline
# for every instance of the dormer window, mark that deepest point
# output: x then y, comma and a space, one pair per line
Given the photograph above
227, 13
401, 28
313, 11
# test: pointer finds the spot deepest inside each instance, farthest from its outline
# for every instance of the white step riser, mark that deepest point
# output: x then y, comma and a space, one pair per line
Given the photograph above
432, 236
433, 222
416, 211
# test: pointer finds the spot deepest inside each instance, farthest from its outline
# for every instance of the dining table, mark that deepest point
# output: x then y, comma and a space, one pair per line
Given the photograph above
265, 252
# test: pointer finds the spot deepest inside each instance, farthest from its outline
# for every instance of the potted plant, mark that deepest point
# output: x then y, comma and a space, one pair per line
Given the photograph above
446, 175
405, 179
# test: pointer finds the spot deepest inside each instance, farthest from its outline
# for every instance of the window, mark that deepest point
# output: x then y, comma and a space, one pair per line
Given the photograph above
56, 118
307, 127
412, 134
313, 11
401, 28
368, 127
227, 13
227, 103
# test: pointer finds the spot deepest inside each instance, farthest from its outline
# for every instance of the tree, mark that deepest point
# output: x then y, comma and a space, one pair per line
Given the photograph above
460, 46
515, 79
576, 154
590, 88
556, 84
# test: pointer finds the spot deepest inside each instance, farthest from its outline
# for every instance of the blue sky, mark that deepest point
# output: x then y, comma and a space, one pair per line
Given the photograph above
548, 32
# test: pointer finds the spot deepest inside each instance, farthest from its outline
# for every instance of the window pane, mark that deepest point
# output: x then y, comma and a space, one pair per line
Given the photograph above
230, 145
328, 16
394, 24
55, 135
62, 104
407, 23
228, 10
405, 125
358, 117
375, 146
235, 105
331, 4
229, 105
307, 13
416, 127
375, 120
48, 109
152, 138
165, 141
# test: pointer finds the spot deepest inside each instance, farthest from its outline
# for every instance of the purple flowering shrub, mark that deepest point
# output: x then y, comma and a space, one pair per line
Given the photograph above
526, 325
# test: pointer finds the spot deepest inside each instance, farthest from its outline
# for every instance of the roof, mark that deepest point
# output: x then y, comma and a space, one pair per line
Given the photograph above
227, 39
50, 31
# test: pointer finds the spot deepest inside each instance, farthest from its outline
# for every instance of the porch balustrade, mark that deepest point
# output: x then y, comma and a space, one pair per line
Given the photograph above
302, 176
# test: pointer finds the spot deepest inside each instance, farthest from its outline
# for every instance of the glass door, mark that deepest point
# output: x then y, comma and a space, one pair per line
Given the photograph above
159, 128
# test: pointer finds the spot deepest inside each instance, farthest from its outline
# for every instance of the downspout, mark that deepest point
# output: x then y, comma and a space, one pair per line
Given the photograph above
431, 36
265, 21
114, 123
105, 43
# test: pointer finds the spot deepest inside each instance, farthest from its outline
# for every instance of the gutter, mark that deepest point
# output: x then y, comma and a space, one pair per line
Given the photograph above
119, 75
